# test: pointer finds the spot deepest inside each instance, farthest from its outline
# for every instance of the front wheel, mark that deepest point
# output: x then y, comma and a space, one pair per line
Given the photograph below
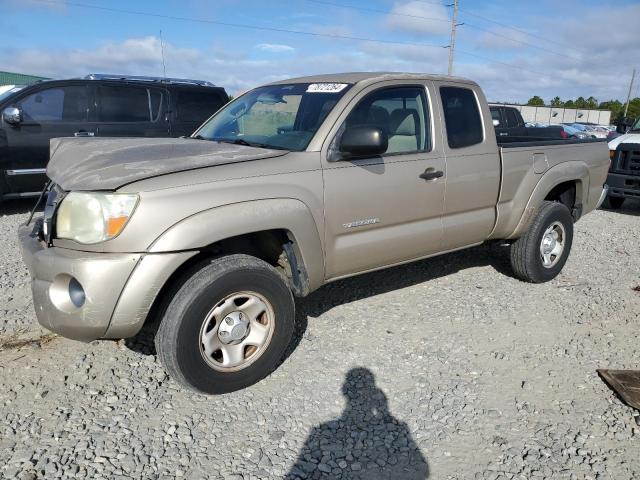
540, 254
228, 325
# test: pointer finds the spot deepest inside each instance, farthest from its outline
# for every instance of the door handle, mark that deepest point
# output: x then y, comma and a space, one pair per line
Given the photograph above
82, 133
431, 174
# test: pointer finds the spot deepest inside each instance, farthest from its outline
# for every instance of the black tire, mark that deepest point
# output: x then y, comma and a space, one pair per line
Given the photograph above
526, 259
613, 203
178, 340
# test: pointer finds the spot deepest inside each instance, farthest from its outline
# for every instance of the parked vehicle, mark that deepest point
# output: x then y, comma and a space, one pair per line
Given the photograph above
583, 128
6, 90
596, 131
508, 121
572, 132
624, 174
96, 106
288, 187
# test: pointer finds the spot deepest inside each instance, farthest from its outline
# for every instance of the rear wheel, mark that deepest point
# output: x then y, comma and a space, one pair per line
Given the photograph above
540, 254
613, 203
227, 326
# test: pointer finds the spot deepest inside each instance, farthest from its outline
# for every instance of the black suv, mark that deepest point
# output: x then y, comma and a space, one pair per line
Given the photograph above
94, 106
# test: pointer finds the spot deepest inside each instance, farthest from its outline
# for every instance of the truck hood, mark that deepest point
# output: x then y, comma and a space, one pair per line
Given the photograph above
108, 164
626, 138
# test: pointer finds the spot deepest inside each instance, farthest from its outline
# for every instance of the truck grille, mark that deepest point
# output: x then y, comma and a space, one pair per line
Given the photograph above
627, 159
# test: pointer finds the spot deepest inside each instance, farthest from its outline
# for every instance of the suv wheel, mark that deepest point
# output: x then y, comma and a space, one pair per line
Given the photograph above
227, 326
613, 203
539, 255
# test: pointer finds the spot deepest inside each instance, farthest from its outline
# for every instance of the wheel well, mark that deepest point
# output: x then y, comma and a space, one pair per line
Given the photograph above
276, 247
565, 193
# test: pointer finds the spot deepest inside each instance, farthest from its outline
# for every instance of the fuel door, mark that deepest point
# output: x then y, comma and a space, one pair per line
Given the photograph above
540, 162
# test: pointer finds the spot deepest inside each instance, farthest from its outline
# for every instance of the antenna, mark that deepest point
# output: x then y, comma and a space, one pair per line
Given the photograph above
164, 67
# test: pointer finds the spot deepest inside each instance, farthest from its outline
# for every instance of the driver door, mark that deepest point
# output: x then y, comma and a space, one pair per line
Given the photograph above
59, 111
379, 211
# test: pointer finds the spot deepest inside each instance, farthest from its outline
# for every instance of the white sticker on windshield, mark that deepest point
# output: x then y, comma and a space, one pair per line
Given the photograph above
326, 87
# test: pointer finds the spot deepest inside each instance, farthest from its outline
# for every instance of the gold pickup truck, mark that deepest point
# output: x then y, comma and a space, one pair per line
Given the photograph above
288, 187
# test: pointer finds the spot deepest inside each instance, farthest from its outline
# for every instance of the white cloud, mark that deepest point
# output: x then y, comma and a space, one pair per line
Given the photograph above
275, 48
434, 18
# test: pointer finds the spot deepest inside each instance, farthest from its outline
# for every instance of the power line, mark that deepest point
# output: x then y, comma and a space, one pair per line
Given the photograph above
420, 17
271, 29
235, 25
511, 27
376, 10
519, 41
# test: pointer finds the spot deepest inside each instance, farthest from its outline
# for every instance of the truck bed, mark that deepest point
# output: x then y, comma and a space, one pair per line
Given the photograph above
517, 142
525, 163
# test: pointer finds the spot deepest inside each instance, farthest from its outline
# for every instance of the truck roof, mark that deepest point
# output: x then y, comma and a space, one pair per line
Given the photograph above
370, 77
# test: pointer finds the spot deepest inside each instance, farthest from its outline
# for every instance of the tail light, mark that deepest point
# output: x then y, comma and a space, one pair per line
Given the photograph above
564, 134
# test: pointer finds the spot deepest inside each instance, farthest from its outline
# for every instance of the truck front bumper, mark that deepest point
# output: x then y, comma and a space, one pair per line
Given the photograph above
86, 296
621, 185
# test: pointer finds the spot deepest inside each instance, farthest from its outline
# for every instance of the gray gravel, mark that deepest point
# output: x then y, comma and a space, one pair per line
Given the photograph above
449, 368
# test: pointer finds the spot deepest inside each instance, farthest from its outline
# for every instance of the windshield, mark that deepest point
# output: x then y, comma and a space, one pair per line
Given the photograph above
636, 126
283, 117
8, 90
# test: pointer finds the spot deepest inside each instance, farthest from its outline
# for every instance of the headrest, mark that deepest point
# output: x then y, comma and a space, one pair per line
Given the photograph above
403, 121
378, 116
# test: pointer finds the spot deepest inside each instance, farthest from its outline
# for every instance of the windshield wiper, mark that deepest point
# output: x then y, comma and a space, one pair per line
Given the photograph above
241, 141
234, 141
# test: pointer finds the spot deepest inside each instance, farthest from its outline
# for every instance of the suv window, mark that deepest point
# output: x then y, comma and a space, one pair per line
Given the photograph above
401, 112
61, 104
462, 117
196, 106
124, 104
495, 114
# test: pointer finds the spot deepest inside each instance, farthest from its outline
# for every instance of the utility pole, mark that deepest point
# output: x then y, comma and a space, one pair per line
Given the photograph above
452, 40
626, 105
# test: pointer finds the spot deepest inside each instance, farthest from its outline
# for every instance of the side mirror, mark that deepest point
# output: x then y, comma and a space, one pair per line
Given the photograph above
363, 141
496, 123
12, 115
623, 125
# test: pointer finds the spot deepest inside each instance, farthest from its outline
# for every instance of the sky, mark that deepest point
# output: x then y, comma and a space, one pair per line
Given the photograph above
513, 49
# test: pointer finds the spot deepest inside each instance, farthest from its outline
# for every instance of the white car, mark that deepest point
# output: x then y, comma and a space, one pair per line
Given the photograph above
6, 90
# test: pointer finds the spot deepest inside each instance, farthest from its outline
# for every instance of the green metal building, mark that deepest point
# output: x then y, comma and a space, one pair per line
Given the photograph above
10, 78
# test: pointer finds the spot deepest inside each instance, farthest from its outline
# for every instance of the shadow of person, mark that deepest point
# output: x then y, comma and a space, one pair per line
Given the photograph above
366, 442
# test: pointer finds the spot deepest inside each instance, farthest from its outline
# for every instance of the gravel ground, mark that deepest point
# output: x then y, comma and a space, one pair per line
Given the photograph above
447, 368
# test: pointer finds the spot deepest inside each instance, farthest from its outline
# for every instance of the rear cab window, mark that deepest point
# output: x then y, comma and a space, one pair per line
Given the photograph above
462, 117
511, 117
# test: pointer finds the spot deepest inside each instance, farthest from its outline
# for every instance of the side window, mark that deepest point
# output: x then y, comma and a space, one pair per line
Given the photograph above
63, 104
401, 112
462, 117
196, 106
123, 104
512, 119
155, 102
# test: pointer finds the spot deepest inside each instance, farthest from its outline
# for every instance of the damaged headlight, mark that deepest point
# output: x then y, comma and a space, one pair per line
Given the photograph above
94, 217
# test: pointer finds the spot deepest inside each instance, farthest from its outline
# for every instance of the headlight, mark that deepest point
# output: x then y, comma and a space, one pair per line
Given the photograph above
94, 217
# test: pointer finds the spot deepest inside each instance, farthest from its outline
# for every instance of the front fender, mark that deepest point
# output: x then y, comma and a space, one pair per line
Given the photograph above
216, 224
565, 172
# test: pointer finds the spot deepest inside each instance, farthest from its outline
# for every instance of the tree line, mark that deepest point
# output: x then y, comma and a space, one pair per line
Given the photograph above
615, 106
